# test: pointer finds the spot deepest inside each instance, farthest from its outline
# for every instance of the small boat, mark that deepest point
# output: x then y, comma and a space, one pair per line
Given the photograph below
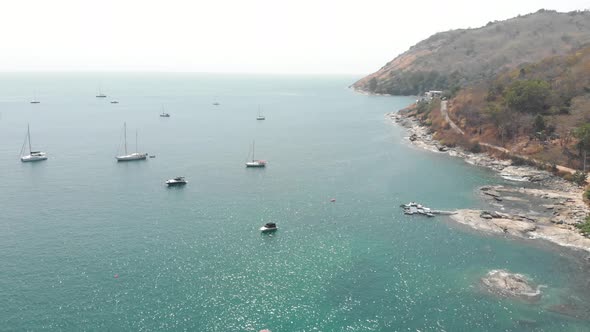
35, 100
177, 181
133, 156
33, 155
100, 94
260, 116
164, 115
152, 156
269, 227
254, 162
215, 104
114, 102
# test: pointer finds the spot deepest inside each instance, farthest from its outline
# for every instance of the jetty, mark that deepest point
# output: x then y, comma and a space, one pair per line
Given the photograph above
413, 208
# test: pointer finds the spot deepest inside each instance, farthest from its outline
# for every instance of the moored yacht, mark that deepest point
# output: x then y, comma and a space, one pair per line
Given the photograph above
177, 181
269, 227
254, 162
133, 156
33, 155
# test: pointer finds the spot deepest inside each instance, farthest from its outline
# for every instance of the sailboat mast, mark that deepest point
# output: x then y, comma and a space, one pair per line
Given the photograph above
125, 134
253, 149
136, 141
29, 138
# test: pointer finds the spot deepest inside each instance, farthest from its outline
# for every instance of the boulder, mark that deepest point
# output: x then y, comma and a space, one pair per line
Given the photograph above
512, 285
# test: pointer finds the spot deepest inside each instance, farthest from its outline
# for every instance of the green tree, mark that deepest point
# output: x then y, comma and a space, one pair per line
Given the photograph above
539, 123
527, 96
582, 133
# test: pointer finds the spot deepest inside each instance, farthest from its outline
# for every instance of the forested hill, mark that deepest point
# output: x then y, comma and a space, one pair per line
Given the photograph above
453, 59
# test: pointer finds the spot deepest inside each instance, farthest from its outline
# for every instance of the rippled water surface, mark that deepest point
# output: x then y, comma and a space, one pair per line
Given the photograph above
87, 243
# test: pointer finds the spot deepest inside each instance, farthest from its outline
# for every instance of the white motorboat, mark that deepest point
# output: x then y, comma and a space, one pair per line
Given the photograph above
269, 227
177, 181
33, 155
131, 156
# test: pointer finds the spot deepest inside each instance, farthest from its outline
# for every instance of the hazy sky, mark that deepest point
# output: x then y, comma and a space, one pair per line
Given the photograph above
269, 36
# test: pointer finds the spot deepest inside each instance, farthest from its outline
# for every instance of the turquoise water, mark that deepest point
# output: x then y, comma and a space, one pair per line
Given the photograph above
192, 258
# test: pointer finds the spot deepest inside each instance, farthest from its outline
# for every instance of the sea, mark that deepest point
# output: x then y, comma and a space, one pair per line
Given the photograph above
91, 244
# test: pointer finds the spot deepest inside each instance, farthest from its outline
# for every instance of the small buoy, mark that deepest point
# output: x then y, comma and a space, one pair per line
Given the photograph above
116, 275
333, 200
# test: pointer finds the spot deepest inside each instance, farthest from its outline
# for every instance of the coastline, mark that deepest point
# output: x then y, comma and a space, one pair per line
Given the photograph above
559, 204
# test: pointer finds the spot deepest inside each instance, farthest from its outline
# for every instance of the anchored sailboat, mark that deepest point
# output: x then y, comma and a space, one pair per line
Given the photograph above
33, 155
35, 100
133, 156
254, 162
100, 94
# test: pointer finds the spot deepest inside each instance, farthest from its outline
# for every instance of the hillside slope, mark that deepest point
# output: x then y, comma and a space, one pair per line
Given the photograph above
459, 57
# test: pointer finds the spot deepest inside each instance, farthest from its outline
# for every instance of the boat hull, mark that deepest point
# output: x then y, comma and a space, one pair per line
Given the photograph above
175, 184
268, 230
132, 157
29, 158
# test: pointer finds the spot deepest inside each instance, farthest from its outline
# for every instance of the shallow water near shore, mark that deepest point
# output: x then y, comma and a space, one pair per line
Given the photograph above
193, 258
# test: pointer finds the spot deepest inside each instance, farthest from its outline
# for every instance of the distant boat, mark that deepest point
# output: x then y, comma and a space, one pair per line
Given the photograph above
177, 181
100, 94
216, 104
164, 114
114, 102
33, 155
254, 162
269, 227
260, 115
133, 156
35, 100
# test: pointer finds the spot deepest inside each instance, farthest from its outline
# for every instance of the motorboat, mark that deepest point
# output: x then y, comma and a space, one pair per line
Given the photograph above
177, 181
269, 227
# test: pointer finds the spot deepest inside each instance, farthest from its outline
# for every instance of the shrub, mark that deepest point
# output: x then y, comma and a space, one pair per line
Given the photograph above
474, 147
585, 227
587, 194
567, 176
579, 178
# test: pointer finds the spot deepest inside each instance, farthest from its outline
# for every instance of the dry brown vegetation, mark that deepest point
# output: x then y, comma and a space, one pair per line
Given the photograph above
461, 57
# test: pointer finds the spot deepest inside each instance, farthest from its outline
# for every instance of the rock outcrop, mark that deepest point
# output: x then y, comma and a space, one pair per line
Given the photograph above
512, 285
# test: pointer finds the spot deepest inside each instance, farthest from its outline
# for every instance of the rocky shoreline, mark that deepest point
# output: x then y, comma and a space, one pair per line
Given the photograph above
558, 205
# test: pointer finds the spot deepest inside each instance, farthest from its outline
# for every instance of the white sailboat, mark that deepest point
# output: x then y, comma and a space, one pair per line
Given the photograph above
33, 155
133, 156
255, 162
35, 100
100, 94
260, 115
